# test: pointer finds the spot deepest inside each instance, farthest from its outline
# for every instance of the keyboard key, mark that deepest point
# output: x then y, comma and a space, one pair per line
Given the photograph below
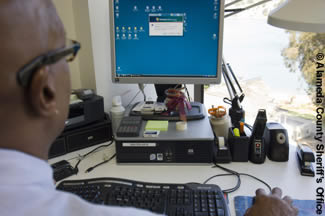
221, 212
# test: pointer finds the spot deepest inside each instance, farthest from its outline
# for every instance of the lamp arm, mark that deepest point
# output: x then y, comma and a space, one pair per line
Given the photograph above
236, 112
230, 87
231, 3
236, 11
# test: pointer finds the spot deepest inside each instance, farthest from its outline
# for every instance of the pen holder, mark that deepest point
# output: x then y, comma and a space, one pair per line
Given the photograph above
239, 146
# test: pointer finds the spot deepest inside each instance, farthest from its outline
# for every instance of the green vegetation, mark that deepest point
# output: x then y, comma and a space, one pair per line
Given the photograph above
300, 55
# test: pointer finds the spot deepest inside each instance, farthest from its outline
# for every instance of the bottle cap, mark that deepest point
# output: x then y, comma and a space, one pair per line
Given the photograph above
116, 101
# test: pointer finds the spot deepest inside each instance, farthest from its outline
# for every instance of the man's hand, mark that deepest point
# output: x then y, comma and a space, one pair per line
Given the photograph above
272, 205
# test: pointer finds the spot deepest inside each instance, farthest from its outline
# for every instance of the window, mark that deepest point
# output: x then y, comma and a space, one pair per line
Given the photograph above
270, 67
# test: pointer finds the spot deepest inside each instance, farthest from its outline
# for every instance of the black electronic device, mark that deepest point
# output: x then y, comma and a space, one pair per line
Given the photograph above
85, 111
168, 199
83, 137
276, 142
305, 157
62, 170
84, 94
129, 127
193, 145
257, 151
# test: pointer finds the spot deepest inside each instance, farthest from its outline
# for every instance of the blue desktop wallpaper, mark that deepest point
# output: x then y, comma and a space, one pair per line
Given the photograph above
195, 53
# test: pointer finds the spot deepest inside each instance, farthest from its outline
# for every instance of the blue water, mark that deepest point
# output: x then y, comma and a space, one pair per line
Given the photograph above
253, 48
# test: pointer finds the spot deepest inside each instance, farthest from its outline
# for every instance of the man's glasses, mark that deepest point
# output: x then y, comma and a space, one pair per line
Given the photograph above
69, 52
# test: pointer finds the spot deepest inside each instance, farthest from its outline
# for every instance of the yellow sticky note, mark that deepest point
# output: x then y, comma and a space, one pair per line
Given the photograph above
157, 125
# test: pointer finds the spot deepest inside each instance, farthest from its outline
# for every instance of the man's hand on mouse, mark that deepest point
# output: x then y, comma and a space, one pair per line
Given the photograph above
272, 204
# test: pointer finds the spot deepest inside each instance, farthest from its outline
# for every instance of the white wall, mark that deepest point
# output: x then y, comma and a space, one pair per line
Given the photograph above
82, 26
75, 17
65, 11
100, 33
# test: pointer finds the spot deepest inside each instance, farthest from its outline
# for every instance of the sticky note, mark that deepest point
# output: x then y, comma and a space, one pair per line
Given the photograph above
157, 125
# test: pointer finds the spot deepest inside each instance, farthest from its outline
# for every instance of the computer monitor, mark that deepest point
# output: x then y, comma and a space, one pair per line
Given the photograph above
166, 41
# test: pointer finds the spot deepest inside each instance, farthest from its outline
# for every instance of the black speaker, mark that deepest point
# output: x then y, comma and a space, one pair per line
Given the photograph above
276, 142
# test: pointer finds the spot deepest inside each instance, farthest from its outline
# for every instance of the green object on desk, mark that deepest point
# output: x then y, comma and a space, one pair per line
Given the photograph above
157, 125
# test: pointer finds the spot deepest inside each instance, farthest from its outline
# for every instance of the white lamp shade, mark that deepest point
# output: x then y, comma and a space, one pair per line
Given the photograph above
299, 15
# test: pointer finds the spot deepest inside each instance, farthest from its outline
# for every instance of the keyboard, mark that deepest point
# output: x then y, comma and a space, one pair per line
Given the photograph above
168, 199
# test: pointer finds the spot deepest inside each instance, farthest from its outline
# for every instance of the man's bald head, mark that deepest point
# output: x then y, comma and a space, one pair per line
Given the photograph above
28, 29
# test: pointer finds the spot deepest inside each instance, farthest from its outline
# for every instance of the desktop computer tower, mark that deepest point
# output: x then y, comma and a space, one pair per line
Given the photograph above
194, 145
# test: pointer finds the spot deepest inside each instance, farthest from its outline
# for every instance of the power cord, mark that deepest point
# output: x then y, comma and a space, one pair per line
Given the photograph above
81, 157
101, 163
231, 172
257, 179
234, 173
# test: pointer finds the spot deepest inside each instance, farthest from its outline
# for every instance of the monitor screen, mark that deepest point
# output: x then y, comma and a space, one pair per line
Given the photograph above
166, 41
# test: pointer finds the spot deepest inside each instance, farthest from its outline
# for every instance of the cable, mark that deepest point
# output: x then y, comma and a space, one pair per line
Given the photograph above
133, 98
188, 94
141, 87
234, 173
260, 180
249, 126
97, 165
230, 190
81, 157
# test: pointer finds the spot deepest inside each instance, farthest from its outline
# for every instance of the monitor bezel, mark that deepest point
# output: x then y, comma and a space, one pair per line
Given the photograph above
166, 79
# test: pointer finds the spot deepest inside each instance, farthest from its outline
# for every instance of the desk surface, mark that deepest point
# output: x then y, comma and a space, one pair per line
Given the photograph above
284, 175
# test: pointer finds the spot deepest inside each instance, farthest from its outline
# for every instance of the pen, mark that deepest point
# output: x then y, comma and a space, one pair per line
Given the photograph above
241, 128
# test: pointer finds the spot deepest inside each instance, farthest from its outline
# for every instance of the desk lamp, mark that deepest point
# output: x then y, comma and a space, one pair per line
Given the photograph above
299, 15
236, 111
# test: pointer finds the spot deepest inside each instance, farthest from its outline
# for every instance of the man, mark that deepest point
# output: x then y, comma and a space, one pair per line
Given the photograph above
34, 106
34, 95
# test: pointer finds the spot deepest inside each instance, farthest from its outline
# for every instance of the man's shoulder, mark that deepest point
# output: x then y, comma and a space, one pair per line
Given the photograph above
37, 201
70, 204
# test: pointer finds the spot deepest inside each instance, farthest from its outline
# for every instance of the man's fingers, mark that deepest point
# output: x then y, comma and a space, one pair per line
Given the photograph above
247, 212
260, 192
288, 200
296, 211
277, 192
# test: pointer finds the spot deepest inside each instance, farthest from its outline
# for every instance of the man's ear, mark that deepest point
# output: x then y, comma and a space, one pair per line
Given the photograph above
42, 93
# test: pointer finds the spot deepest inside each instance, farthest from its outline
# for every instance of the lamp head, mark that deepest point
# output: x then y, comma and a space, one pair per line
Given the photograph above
299, 15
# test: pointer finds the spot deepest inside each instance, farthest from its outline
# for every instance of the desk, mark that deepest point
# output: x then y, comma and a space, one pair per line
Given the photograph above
283, 175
